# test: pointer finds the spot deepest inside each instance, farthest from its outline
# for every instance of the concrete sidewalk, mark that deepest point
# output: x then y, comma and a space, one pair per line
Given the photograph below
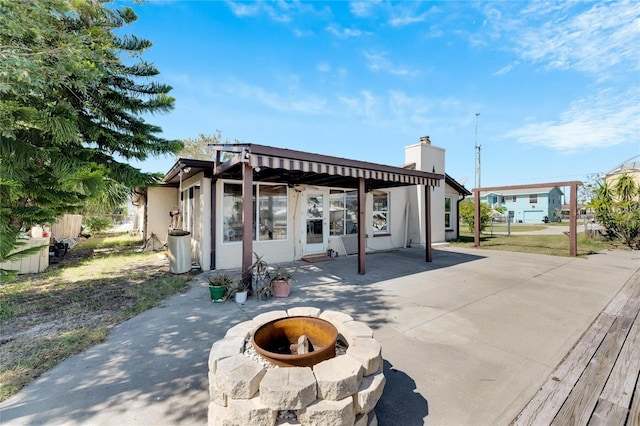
467, 339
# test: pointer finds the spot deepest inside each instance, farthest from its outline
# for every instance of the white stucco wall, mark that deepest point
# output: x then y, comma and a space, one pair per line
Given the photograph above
427, 158
159, 202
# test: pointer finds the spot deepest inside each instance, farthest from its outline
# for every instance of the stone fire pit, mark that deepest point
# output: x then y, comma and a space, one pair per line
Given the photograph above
245, 389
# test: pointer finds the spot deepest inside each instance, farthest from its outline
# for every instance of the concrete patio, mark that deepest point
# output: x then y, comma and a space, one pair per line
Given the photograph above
467, 339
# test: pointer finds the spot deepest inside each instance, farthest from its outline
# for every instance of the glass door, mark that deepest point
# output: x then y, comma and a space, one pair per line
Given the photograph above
315, 231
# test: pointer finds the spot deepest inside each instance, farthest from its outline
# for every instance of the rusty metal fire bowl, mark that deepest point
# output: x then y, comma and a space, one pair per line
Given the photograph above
275, 339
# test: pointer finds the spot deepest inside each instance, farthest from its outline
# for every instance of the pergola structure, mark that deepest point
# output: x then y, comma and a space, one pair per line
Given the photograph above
573, 209
252, 162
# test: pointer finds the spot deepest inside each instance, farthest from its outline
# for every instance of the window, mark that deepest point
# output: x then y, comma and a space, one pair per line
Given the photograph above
381, 213
533, 198
343, 217
447, 212
514, 198
271, 217
232, 212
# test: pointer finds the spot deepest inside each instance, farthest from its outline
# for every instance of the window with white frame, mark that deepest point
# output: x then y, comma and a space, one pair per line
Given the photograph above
381, 213
533, 198
343, 217
447, 212
269, 221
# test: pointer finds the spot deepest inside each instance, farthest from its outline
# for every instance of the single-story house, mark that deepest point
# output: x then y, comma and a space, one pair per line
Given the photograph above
302, 204
527, 205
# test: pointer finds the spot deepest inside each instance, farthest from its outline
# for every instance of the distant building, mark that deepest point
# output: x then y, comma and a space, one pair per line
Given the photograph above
526, 205
629, 167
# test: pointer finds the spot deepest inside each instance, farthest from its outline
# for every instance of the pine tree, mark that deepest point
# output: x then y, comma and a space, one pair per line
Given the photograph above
71, 96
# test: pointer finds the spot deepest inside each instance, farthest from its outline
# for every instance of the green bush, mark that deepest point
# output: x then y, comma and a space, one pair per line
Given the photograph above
97, 224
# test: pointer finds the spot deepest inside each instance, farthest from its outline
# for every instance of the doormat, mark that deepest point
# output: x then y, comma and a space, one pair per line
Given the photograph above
315, 259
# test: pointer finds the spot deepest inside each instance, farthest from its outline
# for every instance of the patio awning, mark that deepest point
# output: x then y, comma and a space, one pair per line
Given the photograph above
272, 164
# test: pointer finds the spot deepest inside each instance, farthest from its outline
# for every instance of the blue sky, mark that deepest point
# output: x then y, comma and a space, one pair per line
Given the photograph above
557, 85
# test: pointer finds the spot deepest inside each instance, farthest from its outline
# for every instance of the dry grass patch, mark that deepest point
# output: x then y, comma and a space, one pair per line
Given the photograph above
48, 317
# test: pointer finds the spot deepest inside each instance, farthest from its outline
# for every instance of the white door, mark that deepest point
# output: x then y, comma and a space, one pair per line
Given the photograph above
315, 234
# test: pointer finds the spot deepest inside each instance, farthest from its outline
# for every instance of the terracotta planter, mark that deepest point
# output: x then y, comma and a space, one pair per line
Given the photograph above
280, 288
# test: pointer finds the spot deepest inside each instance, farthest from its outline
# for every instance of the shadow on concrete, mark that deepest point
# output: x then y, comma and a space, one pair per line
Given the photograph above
153, 368
400, 403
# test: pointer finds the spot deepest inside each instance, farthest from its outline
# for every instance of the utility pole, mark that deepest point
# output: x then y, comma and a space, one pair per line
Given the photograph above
477, 152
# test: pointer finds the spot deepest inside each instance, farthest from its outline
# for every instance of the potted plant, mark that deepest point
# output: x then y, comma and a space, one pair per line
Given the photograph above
260, 277
281, 282
239, 292
219, 285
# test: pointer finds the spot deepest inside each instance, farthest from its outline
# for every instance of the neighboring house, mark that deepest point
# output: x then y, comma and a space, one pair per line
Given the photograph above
303, 204
526, 205
629, 167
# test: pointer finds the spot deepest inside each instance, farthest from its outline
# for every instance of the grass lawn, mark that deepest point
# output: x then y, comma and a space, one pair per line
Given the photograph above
50, 316
555, 245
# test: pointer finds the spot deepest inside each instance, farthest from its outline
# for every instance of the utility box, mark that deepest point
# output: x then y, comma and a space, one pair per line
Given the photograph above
179, 243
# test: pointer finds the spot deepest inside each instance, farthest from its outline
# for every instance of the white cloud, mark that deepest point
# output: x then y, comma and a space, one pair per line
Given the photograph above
407, 19
323, 67
278, 11
344, 32
602, 120
506, 69
590, 37
363, 9
378, 62
289, 103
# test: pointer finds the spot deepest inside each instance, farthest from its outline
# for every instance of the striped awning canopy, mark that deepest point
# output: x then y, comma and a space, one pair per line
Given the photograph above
272, 164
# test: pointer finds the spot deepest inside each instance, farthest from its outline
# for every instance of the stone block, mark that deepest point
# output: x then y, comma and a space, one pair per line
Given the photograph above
368, 352
215, 394
351, 330
219, 416
369, 393
286, 422
252, 412
368, 419
238, 377
323, 412
335, 317
244, 329
224, 348
338, 377
291, 388
265, 317
304, 311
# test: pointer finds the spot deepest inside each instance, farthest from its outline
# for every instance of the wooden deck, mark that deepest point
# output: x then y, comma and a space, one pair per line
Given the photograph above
598, 381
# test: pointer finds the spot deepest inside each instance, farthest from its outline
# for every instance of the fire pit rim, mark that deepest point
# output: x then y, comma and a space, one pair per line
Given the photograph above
284, 360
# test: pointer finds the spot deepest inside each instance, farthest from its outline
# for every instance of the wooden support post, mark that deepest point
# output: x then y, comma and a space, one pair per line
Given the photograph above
573, 221
361, 228
427, 224
476, 217
212, 229
247, 222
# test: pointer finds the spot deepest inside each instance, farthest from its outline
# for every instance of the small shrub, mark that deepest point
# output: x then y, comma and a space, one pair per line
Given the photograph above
97, 224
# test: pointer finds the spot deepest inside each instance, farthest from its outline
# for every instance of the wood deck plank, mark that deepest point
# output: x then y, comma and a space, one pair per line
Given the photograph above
634, 413
547, 402
608, 414
621, 299
582, 400
598, 382
623, 377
